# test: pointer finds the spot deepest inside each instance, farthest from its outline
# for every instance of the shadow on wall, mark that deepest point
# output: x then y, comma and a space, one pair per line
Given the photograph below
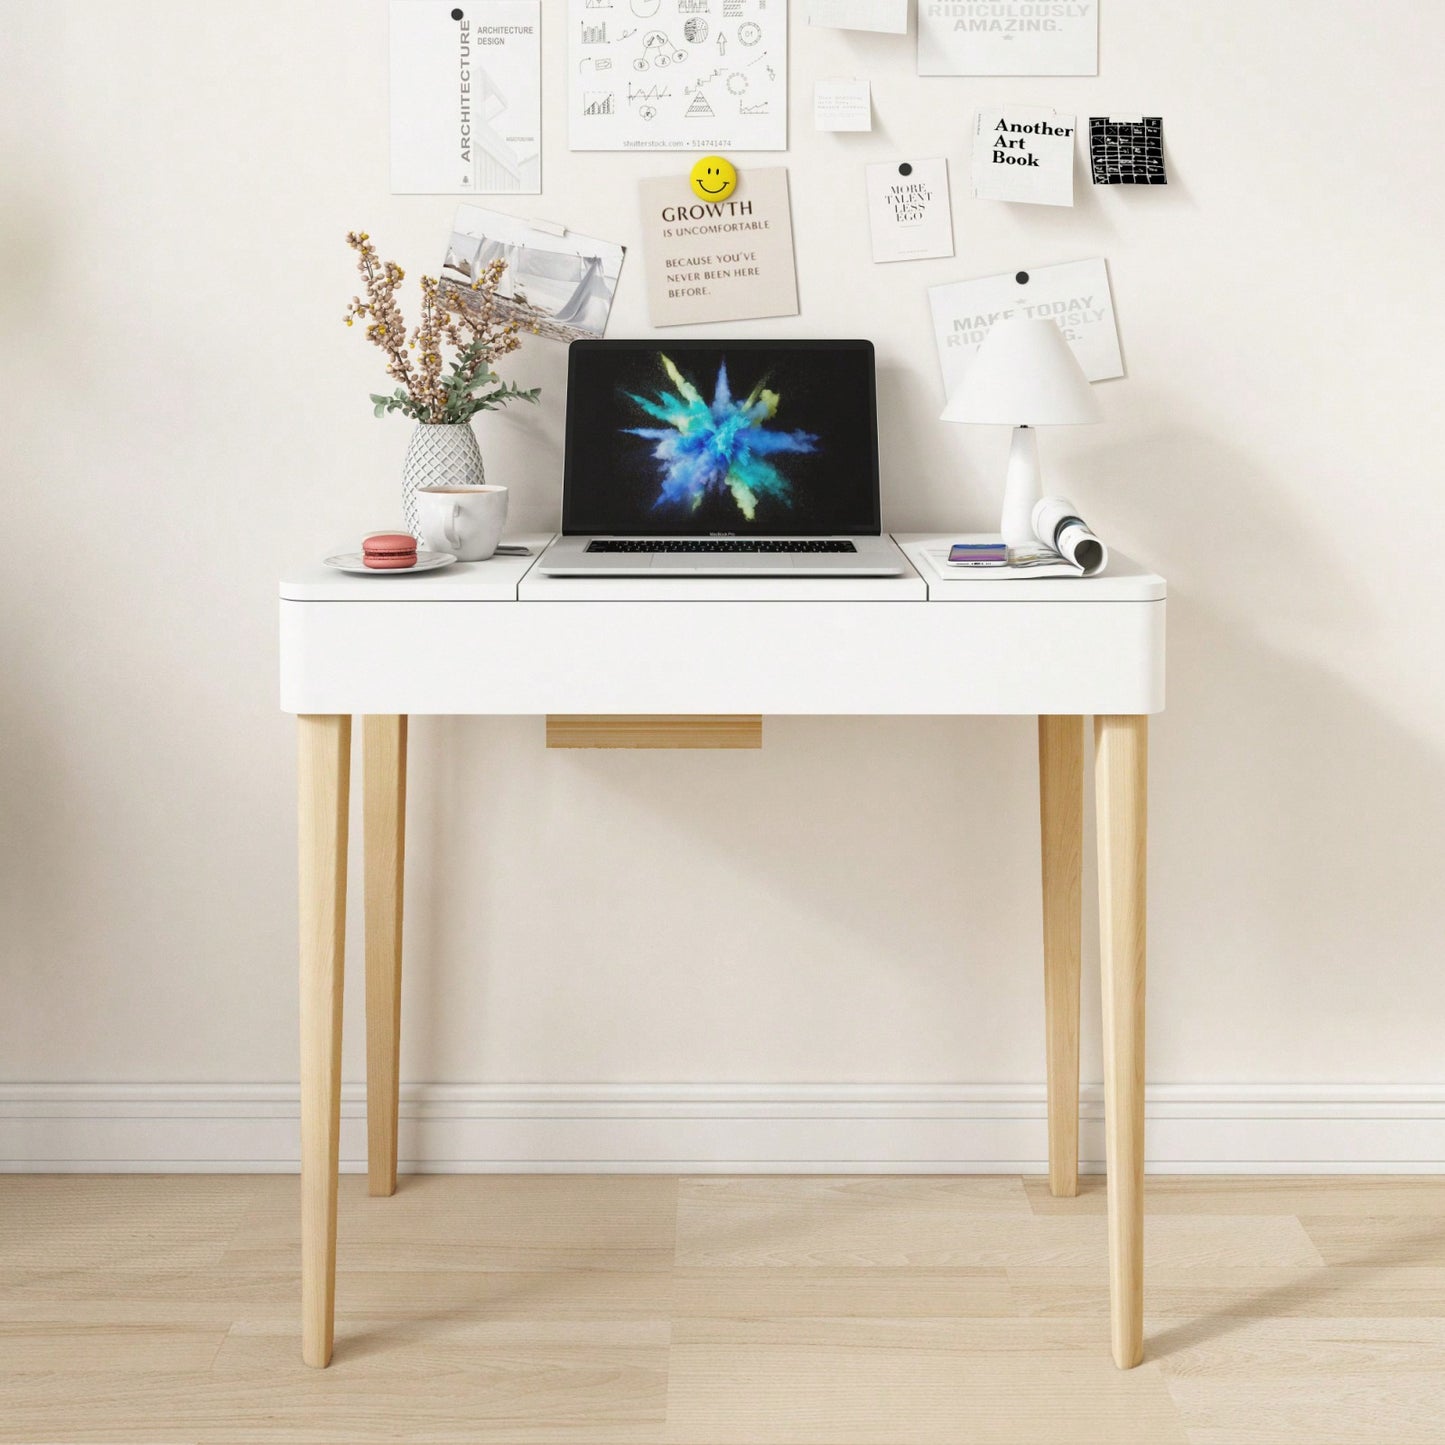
1295, 826
1296, 816
737, 894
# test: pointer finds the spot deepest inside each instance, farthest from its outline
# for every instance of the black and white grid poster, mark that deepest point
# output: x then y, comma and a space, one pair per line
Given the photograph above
1074, 295
1127, 150
700, 75
1008, 37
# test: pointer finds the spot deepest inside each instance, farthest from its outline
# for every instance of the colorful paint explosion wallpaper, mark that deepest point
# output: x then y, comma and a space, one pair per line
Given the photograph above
717, 446
705, 439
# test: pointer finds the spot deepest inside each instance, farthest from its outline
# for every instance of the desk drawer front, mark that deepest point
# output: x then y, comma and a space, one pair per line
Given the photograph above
686, 657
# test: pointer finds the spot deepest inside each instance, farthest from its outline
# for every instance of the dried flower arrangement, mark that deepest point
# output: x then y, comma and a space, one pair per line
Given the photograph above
433, 389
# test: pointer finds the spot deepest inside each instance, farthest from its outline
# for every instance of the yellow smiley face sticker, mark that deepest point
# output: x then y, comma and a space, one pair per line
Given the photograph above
714, 178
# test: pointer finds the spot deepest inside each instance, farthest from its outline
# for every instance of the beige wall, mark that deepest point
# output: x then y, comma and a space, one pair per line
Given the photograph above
185, 414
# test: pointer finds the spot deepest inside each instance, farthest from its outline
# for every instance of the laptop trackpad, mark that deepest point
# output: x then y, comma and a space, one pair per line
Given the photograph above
736, 561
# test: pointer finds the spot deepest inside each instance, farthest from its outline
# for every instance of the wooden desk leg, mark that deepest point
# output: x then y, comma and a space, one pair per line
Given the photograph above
323, 794
1061, 819
1121, 754
383, 754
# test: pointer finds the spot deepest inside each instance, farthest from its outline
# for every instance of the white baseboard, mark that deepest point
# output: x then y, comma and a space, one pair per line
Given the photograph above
743, 1128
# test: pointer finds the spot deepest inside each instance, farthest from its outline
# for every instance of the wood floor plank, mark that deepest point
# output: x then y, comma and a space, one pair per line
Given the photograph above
69, 1222
966, 1194
480, 1222
853, 1293
906, 1382
1372, 1406
1379, 1239
31, 1346
933, 1238
144, 1296
643, 1309
1310, 1291
616, 1400
1252, 1194
1225, 1348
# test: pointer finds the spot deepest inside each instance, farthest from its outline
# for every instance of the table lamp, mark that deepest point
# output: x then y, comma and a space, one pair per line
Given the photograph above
1024, 375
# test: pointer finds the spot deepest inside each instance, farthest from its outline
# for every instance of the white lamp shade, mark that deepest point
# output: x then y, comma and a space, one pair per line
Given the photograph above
1024, 374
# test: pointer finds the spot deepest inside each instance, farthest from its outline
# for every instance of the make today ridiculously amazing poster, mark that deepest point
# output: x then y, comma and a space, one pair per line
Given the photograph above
1008, 37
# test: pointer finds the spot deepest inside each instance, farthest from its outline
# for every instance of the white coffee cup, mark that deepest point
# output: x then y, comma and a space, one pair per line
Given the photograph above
465, 521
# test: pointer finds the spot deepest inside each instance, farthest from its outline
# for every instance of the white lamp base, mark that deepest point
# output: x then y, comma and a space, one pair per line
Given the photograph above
1023, 487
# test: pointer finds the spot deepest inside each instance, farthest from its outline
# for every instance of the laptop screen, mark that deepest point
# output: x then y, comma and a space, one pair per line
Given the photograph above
710, 438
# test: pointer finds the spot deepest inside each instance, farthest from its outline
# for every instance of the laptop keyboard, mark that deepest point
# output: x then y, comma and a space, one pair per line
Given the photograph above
719, 544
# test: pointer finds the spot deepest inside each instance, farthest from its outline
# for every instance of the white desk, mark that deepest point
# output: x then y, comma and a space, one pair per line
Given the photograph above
494, 638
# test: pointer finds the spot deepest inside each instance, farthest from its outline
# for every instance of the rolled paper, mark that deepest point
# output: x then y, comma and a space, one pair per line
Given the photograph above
1057, 524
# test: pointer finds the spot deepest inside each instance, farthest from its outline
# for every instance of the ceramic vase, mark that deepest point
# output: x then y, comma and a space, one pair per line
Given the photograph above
441, 454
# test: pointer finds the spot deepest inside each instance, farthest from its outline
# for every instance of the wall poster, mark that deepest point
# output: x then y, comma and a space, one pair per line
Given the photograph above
1024, 153
699, 75
1127, 151
1074, 295
910, 217
1008, 37
466, 97
842, 105
558, 283
719, 260
888, 16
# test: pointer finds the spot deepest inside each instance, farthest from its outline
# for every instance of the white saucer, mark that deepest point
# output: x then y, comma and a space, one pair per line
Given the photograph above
425, 562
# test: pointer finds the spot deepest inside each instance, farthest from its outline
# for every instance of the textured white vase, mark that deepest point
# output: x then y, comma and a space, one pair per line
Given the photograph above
441, 454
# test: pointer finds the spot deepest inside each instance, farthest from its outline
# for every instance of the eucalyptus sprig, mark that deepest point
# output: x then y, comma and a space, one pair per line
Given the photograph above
467, 320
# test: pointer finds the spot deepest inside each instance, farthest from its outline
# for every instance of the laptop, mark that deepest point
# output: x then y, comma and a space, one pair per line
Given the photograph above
724, 458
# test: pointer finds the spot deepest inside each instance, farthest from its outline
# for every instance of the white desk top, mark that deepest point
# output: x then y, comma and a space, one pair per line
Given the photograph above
509, 579
494, 580
793, 645
1124, 580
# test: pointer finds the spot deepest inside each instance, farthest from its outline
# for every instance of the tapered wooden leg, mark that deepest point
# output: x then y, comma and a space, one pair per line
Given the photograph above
383, 754
1121, 756
1061, 819
323, 794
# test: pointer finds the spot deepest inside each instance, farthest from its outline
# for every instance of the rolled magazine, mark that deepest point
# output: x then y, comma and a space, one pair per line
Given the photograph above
1059, 527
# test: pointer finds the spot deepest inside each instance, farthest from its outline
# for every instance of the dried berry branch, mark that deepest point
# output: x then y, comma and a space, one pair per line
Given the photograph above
473, 325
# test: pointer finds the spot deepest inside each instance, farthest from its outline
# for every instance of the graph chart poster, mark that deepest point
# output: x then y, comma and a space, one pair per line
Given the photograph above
668, 75
466, 97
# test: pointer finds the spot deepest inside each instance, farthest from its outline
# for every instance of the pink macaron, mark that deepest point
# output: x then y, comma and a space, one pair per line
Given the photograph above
389, 550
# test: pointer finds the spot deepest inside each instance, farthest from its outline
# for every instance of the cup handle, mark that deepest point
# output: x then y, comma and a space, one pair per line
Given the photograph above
449, 528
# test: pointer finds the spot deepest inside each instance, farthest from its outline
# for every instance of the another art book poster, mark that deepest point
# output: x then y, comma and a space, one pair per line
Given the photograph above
1008, 37
1075, 295
695, 75
1024, 153
558, 283
713, 261
466, 97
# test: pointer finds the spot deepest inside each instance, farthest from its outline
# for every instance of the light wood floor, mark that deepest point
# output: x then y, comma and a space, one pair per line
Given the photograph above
721, 1310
